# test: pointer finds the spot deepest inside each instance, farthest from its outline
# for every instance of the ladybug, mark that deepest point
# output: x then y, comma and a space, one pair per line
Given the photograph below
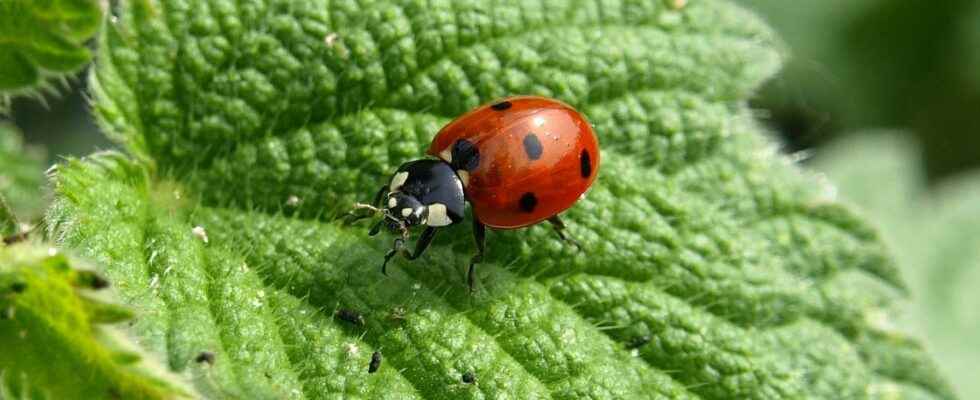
518, 161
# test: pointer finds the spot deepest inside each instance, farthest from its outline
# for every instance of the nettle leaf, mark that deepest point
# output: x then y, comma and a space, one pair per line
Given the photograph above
9, 225
936, 234
21, 175
712, 268
44, 39
54, 332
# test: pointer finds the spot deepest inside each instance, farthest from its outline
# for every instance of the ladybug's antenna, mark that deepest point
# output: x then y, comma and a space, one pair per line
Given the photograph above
384, 212
353, 216
362, 206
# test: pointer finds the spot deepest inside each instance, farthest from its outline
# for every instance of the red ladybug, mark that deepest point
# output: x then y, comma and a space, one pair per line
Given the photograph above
518, 161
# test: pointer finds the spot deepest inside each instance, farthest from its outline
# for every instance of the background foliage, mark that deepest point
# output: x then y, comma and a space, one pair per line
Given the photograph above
43, 40
934, 233
724, 272
880, 63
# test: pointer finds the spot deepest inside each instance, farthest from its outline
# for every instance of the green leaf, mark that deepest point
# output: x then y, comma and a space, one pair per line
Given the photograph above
52, 327
935, 234
21, 175
9, 224
712, 268
43, 39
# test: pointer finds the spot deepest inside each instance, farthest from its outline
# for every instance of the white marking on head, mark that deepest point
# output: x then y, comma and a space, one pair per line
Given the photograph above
464, 176
406, 212
398, 180
447, 154
438, 215
392, 202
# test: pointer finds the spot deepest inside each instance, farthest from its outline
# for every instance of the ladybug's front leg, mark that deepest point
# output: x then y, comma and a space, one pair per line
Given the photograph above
480, 235
396, 247
425, 239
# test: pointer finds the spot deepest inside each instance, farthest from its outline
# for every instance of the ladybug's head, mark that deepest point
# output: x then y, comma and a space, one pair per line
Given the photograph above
404, 210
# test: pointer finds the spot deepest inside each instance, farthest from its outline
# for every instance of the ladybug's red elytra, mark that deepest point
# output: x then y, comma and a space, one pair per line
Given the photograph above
517, 161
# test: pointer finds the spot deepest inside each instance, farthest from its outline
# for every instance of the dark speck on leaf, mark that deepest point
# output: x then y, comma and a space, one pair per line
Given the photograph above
350, 316
375, 362
638, 342
18, 287
205, 357
469, 377
92, 280
98, 282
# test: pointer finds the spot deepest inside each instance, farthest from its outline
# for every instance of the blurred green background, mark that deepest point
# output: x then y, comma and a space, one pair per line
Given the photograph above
885, 94
859, 64
854, 65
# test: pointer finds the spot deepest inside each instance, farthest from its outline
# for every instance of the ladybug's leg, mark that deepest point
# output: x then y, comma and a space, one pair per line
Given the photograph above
560, 230
425, 239
395, 248
480, 234
376, 228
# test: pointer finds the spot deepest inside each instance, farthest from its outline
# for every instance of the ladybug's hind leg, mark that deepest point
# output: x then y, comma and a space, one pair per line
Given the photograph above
559, 226
480, 235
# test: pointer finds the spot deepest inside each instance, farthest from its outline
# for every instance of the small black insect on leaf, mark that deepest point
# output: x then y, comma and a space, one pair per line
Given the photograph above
350, 316
638, 342
375, 362
469, 377
17, 237
397, 314
205, 357
98, 282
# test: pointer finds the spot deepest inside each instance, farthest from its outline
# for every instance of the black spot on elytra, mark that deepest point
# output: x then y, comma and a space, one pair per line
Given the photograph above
532, 146
586, 164
465, 155
501, 106
375, 362
528, 202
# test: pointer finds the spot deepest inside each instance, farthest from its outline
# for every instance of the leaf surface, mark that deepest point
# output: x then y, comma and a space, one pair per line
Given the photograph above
712, 268
42, 40
56, 338
21, 175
